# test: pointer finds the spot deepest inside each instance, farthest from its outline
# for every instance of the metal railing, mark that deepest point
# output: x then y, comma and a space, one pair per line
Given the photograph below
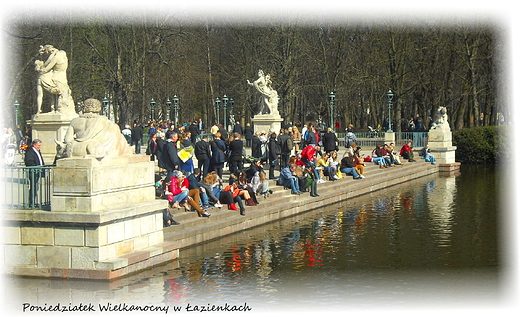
27, 187
369, 140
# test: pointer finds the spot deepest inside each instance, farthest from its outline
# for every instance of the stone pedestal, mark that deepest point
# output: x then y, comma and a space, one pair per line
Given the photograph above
103, 217
441, 147
49, 127
267, 122
389, 137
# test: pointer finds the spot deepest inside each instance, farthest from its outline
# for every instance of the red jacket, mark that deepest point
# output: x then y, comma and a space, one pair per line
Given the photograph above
175, 186
234, 191
405, 148
308, 152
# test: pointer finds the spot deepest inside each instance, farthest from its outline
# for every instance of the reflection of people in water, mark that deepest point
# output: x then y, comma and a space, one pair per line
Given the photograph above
53, 77
263, 85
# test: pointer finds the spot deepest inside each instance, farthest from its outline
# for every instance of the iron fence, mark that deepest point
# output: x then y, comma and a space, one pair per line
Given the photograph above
369, 140
27, 187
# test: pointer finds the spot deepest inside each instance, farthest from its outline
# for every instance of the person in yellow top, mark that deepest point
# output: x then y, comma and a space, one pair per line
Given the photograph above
324, 163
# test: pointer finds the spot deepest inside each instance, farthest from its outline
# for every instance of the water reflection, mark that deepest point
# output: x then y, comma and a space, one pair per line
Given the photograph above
426, 241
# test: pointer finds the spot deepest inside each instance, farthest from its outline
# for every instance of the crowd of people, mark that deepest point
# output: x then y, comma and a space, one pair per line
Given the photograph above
303, 159
298, 155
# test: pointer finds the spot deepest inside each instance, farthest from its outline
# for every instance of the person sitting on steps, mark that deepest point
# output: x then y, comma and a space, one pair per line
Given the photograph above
347, 167
407, 151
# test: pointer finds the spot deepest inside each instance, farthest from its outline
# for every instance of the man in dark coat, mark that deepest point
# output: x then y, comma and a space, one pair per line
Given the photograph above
194, 130
256, 146
33, 157
282, 142
137, 136
203, 155
169, 157
248, 133
236, 148
238, 128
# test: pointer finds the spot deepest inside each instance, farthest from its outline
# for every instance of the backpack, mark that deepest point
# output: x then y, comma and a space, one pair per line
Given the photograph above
289, 144
277, 148
349, 139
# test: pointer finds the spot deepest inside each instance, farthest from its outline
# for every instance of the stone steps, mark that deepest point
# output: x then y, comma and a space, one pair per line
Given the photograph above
194, 229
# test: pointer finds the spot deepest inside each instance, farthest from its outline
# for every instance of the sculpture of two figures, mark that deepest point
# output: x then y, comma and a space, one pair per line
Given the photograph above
53, 78
270, 96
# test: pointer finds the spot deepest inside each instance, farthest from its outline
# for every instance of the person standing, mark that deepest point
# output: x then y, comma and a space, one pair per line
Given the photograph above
33, 157
203, 155
151, 149
273, 152
285, 151
194, 130
218, 157
237, 128
127, 133
200, 125
330, 141
137, 136
256, 146
236, 148
248, 133
169, 157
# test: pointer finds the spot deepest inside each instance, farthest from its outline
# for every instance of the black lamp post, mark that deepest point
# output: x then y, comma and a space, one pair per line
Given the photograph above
105, 106
16, 107
152, 104
390, 95
217, 105
176, 109
225, 101
168, 109
332, 96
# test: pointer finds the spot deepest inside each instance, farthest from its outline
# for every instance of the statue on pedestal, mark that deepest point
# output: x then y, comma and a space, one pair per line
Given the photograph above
441, 119
92, 135
263, 85
53, 78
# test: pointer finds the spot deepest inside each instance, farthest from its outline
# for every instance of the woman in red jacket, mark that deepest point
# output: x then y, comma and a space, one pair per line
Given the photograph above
236, 194
178, 193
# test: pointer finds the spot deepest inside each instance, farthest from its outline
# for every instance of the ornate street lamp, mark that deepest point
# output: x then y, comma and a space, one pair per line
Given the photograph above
176, 109
16, 107
217, 105
390, 95
152, 104
231, 114
225, 101
168, 109
332, 96
105, 106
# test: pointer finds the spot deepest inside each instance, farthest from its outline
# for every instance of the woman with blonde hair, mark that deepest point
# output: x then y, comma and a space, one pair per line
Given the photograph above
297, 138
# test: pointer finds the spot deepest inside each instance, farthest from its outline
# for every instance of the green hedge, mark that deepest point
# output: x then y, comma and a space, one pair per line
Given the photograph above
482, 145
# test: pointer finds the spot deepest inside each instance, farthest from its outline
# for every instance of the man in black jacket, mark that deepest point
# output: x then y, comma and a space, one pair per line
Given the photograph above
203, 155
169, 157
236, 148
33, 157
137, 136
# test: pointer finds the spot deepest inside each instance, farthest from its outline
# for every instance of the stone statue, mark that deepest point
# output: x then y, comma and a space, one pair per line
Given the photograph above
92, 135
441, 119
263, 85
53, 78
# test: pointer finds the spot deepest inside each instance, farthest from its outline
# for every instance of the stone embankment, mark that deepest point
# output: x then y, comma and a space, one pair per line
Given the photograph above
194, 230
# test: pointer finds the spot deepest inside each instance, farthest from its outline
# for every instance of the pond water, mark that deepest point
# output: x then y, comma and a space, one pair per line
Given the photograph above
430, 243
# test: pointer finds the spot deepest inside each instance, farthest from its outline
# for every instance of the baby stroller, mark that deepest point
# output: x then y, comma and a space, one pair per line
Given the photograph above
372, 133
10, 151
